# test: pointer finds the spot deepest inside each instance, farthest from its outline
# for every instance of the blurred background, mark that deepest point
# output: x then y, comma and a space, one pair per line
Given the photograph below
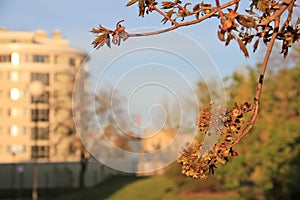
48, 77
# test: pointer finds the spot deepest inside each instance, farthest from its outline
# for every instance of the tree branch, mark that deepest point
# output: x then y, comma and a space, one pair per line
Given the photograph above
250, 122
289, 17
192, 22
285, 4
164, 15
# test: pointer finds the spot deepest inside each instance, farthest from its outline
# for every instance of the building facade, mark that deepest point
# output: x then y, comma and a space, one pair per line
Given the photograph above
30, 126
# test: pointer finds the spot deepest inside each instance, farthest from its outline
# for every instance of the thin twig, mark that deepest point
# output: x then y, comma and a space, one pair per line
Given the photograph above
278, 13
289, 17
164, 15
250, 122
192, 22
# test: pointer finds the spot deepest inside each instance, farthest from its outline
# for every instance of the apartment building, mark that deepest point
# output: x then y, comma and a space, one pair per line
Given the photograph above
37, 126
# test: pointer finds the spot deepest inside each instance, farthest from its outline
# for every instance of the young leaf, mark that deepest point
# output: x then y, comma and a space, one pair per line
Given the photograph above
255, 45
221, 160
131, 2
101, 40
246, 21
108, 41
167, 4
101, 29
262, 6
169, 14
251, 12
228, 39
196, 8
141, 8
221, 35
242, 46
298, 21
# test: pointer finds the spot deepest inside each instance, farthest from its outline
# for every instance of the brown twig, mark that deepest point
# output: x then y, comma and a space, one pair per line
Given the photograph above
250, 122
164, 15
192, 22
219, 9
284, 5
287, 4
289, 17
202, 9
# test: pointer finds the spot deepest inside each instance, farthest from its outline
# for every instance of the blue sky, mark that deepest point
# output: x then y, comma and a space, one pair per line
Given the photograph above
76, 17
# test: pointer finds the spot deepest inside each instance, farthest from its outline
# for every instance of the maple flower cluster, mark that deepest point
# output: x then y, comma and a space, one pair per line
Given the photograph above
198, 160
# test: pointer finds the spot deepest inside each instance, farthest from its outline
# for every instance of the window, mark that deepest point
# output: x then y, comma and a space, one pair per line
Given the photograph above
72, 149
40, 58
63, 77
60, 60
43, 77
24, 130
5, 58
14, 130
15, 94
15, 58
41, 115
44, 98
40, 151
14, 149
16, 112
40, 133
72, 62
14, 76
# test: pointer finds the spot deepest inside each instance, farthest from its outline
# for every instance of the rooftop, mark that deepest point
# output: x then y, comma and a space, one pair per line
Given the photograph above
36, 37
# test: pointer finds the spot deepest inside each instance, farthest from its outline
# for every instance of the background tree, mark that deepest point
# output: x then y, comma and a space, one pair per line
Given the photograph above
170, 112
63, 102
268, 156
261, 22
112, 117
268, 164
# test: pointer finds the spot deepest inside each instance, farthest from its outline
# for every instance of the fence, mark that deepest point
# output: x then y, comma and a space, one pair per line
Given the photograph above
51, 175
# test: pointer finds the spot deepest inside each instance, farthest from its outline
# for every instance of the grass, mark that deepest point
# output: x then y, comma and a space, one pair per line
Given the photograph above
132, 188
101, 191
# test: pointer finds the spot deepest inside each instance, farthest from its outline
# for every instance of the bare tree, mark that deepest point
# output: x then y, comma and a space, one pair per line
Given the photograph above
68, 129
111, 116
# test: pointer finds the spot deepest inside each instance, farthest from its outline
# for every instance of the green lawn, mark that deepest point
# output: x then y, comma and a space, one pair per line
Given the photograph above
132, 188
